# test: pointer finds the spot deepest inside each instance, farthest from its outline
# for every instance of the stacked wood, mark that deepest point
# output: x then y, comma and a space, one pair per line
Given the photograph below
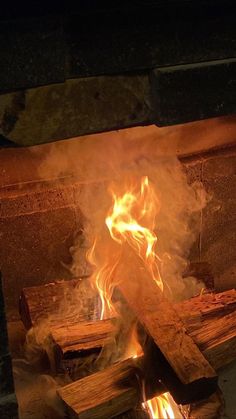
70, 338
209, 319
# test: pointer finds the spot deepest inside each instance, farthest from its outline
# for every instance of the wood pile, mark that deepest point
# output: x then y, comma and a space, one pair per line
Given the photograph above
191, 340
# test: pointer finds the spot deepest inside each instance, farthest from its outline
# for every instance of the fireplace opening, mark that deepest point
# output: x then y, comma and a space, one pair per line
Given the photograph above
118, 274
117, 210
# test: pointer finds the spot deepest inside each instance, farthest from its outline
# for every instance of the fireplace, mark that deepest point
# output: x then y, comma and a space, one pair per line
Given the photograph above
117, 211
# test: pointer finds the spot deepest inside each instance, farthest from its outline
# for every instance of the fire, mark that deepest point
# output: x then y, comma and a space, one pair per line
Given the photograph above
132, 219
162, 407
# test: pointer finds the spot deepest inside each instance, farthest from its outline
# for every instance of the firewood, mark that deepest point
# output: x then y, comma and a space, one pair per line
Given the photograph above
217, 340
71, 340
196, 313
106, 394
205, 307
43, 301
193, 376
57, 300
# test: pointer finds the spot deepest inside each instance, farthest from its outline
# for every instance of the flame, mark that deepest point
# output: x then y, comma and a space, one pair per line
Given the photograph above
134, 348
102, 279
132, 220
162, 407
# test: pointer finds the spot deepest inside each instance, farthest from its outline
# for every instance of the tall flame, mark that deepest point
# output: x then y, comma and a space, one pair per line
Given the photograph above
132, 219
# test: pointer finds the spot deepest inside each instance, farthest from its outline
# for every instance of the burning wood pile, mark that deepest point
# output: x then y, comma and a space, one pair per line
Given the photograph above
148, 357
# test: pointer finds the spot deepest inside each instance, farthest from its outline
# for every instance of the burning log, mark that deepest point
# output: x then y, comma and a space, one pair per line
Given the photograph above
192, 376
72, 338
43, 301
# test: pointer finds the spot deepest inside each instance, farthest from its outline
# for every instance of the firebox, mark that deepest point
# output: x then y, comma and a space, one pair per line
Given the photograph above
117, 210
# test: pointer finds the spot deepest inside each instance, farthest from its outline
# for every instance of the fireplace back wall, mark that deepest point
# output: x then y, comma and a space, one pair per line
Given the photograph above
40, 218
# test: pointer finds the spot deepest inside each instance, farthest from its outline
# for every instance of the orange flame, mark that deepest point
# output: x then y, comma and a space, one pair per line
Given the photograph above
102, 279
132, 220
162, 407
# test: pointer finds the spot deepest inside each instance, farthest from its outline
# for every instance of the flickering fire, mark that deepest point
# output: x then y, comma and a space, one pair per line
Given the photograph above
162, 407
132, 219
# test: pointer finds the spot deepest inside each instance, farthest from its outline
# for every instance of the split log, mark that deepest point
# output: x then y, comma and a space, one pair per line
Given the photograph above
71, 299
193, 377
43, 301
217, 340
205, 307
106, 394
71, 340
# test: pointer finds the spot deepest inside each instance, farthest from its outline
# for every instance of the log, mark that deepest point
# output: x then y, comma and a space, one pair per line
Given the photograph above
105, 394
65, 348
71, 340
207, 306
217, 340
206, 408
43, 301
212, 330
57, 300
193, 377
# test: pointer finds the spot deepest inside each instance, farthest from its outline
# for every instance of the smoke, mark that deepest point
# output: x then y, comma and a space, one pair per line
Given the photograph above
93, 164
95, 161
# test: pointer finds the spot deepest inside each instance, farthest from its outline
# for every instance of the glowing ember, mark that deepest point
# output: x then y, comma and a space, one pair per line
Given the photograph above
162, 407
